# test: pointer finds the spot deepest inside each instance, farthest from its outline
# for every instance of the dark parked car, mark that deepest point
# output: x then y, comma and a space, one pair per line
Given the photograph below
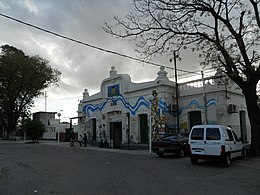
169, 143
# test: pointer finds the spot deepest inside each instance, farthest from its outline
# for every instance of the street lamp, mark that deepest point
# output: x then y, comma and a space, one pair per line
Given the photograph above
150, 98
204, 98
59, 114
176, 89
128, 129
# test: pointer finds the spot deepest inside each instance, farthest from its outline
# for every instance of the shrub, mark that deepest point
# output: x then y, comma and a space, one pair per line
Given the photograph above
34, 129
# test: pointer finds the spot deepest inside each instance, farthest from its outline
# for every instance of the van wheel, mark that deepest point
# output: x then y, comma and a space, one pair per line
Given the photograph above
182, 153
160, 154
193, 160
227, 160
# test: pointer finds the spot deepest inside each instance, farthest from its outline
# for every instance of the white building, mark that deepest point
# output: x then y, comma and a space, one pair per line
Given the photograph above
121, 105
53, 127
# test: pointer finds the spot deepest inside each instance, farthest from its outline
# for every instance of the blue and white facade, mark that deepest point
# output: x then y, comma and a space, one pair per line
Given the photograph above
120, 112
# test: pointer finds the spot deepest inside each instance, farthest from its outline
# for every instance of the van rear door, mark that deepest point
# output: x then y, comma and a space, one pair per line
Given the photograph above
196, 141
213, 142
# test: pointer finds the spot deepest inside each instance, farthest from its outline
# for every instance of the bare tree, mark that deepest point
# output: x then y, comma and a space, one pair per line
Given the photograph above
224, 32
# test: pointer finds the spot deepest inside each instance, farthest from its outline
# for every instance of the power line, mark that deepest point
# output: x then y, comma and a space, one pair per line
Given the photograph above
68, 98
209, 70
92, 46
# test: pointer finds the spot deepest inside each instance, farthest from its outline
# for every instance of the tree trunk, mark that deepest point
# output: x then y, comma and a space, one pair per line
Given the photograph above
254, 118
11, 127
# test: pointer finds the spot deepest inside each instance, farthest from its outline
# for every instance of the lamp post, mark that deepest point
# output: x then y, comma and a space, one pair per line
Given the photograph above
204, 98
128, 129
150, 98
59, 114
176, 90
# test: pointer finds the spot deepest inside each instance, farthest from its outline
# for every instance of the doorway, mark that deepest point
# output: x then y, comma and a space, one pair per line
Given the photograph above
143, 127
195, 118
242, 118
94, 129
116, 134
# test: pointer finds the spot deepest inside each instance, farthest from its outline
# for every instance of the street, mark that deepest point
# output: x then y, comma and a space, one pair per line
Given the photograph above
46, 168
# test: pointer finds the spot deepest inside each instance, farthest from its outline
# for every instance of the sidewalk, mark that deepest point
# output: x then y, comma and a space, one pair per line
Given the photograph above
95, 148
89, 147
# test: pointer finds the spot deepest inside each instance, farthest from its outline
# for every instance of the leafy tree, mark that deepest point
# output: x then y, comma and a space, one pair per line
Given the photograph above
224, 32
34, 129
22, 78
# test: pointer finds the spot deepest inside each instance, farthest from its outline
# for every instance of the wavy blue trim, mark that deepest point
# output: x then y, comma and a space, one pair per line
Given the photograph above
132, 108
143, 102
210, 102
162, 105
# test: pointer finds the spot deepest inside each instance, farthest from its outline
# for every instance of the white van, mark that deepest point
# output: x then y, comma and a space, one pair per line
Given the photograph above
214, 141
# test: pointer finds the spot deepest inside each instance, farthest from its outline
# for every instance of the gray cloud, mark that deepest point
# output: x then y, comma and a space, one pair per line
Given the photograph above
81, 66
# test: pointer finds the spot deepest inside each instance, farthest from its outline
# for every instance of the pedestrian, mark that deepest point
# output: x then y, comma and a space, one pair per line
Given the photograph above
80, 140
72, 137
85, 139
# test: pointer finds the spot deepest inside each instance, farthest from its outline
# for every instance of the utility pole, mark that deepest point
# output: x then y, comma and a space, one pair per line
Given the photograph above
204, 98
128, 129
59, 114
45, 97
176, 92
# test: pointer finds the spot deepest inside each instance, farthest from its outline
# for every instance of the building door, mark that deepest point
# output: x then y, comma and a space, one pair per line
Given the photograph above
143, 127
242, 118
94, 129
195, 118
67, 135
116, 134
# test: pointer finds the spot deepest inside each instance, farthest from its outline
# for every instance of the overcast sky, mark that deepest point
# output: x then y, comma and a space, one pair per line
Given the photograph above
82, 67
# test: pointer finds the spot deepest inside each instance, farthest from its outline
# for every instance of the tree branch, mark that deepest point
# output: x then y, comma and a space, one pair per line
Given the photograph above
255, 6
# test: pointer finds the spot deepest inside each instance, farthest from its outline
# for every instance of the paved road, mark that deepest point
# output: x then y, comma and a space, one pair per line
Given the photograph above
46, 168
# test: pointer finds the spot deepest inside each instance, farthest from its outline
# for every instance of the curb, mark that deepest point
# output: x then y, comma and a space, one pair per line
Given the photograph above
95, 148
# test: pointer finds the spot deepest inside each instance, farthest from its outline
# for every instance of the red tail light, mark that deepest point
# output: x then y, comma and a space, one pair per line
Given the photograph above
189, 150
222, 149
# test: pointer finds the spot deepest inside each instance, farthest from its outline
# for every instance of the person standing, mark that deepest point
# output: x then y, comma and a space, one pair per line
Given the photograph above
72, 137
80, 140
85, 139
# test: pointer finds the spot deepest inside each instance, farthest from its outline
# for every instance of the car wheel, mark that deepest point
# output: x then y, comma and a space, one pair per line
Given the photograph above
182, 153
243, 154
160, 154
227, 160
193, 160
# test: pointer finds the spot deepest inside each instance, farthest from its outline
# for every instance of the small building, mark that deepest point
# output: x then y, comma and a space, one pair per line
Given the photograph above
53, 126
120, 113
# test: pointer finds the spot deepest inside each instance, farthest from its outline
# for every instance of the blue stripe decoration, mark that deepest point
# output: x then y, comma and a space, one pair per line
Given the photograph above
132, 108
141, 101
163, 106
197, 104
